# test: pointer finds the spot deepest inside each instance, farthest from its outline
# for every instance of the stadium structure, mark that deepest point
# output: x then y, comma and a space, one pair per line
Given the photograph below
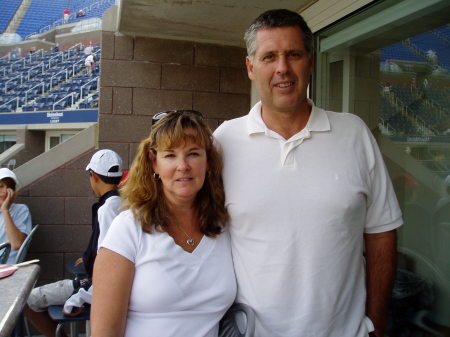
387, 61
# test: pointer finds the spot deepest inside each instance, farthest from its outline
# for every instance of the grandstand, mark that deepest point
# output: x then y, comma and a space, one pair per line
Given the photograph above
46, 77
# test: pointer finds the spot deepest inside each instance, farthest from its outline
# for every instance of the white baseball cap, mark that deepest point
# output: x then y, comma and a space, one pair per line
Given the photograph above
102, 161
7, 173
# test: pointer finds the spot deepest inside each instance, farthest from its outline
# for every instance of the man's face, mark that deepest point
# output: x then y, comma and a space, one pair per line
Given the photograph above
281, 68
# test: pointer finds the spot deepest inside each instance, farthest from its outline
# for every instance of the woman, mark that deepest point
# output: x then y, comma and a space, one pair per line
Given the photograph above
165, 266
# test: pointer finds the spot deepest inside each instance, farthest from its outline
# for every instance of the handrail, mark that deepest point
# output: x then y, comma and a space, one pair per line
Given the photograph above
14, 99
6, 89
54, 104
51, 78
60, 21
51, 58
38, 65
73, 66
26, 92
81, 88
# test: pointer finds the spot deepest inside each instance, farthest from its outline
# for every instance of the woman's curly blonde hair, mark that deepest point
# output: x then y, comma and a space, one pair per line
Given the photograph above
144, 195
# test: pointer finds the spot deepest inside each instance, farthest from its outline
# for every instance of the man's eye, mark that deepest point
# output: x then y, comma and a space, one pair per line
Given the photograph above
268, 57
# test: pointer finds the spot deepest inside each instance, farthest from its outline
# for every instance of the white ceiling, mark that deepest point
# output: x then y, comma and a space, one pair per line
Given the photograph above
212, 21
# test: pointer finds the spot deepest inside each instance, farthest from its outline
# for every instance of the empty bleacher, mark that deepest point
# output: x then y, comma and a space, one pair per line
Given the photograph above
9, 8
43, 15
48, 81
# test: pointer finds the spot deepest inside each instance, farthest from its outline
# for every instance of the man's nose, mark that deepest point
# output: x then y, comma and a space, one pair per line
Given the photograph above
282, 64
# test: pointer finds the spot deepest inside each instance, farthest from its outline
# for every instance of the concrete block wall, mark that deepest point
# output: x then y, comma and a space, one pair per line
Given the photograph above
139, 77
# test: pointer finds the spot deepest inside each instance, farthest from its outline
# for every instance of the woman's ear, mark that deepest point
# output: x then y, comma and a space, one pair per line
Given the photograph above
152, 156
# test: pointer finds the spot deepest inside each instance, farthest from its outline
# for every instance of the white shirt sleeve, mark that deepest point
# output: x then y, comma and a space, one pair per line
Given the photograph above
124, 236
21, 217
106, 214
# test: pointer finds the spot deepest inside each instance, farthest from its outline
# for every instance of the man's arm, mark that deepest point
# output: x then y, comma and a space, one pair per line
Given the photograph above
380, 253
14, 234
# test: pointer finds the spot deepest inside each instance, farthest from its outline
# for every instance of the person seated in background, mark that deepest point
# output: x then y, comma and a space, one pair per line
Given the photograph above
80, 13
105, 173
15, 219
173, 273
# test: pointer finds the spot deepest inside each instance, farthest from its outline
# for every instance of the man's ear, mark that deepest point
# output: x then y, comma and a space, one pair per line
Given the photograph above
249, 64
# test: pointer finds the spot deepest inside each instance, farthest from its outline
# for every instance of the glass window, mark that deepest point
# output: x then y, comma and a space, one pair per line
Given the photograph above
390, 65
6, 141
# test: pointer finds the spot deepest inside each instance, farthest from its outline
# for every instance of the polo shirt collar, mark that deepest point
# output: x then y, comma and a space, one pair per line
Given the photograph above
318, 120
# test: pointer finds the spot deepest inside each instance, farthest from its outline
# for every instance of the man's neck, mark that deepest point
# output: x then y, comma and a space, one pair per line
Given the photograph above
286, 123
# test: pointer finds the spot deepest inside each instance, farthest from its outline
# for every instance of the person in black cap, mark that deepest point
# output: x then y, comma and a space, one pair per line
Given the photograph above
105, 173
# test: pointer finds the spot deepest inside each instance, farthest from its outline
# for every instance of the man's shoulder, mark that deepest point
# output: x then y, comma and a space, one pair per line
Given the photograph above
230, 127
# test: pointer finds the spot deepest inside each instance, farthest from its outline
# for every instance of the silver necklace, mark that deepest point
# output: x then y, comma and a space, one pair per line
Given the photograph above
190, 241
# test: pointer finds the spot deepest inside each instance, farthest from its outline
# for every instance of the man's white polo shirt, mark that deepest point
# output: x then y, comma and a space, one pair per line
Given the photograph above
299, 209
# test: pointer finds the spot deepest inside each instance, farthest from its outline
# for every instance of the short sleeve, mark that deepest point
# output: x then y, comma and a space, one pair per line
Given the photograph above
22, 218
106, 214
124, 236
383, 211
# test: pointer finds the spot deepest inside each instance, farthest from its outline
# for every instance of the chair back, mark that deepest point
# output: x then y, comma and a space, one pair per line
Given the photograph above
23, 250
238, 321
5, 248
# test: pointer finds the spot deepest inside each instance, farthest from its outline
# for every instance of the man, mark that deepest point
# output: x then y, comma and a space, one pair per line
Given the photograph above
105, 173
313, 212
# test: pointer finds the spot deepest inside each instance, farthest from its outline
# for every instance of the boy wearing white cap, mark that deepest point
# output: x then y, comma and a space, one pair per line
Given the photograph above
105, 172
15, 219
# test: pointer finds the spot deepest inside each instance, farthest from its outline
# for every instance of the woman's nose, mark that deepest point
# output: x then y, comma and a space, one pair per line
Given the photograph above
183, 165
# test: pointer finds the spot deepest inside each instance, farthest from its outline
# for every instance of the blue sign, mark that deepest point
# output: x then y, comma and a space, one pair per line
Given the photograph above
50, 117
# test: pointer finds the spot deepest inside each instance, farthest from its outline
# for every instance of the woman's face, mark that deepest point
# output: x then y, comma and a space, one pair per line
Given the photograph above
182, 170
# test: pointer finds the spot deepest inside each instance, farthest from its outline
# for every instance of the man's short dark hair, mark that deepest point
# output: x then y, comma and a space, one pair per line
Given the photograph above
278, 18
110, 180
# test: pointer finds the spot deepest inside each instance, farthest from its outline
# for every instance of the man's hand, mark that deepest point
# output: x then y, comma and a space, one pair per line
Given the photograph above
79, 261
8, 200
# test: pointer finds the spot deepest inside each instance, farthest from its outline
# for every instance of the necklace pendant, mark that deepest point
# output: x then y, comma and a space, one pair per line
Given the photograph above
190, 242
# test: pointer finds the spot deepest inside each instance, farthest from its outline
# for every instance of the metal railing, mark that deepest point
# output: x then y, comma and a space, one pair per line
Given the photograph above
62, 99
41, 65
37, 85
54, 75
84, 85
12, 79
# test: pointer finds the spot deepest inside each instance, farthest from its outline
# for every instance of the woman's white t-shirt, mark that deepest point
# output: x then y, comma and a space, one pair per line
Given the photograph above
174, 293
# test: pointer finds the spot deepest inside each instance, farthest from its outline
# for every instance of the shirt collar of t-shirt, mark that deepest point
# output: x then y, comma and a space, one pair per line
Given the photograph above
318, 122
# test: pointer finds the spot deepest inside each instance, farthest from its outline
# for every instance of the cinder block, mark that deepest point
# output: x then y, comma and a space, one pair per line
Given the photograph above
78, 211
123, 47
130, 74
60, 183
219, 56
106, 99
163, 51
234, 80
190, 78
107, 46
124, 128
150, 101
222, 106
39, 209
52, 268
122, 100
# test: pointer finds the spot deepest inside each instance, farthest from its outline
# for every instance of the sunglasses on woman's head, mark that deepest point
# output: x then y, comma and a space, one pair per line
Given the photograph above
163, 114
